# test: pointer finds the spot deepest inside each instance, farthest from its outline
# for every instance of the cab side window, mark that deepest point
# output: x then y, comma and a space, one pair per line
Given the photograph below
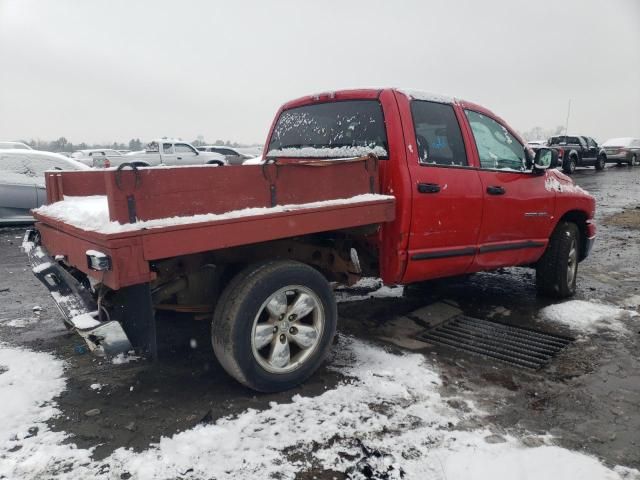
438, 136
167, 148
497, 148
184, 148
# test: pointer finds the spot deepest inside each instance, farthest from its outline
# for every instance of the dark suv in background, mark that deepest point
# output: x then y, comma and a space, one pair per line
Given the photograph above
577, 151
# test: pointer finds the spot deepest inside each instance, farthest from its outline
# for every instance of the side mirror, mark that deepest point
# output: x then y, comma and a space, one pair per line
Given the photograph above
545, 158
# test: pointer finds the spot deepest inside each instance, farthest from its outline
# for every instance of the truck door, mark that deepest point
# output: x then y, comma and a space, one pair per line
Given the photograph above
186, 154
167, 154
446, 192
593, 148
518, 203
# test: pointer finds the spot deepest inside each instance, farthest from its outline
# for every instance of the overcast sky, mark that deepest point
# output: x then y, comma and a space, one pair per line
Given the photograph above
111, 70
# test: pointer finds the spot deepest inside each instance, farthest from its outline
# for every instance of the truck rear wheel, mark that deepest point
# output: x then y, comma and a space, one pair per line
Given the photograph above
557, 270
274, 325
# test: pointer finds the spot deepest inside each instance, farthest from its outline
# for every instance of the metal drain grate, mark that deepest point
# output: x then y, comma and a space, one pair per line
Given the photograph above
514, 345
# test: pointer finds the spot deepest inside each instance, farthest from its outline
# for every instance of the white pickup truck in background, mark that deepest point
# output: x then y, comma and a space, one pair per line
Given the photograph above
164, 151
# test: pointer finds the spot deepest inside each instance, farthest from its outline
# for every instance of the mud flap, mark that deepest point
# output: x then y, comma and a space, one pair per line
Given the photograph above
76, 304
133, 306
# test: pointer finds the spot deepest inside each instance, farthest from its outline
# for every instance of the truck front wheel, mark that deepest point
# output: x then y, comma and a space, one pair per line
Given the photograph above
569, 165
557, 270
274, 325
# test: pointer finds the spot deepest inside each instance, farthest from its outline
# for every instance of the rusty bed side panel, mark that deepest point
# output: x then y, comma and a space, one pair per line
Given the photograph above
131, 252
152, 193
78, 183
196, 238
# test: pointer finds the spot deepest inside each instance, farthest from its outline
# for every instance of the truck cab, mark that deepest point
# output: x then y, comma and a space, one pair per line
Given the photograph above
468, 194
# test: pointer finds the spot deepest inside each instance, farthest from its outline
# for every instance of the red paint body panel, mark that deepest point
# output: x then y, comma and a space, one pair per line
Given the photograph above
460, 229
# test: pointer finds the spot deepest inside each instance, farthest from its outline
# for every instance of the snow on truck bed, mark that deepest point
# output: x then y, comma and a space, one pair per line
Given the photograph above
92, 213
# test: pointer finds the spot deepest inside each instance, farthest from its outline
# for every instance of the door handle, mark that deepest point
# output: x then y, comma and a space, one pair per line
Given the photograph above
496, 190
178, 158
428, 188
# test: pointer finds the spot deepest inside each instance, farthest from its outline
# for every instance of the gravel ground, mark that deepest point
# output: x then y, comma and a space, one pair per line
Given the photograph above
588, 398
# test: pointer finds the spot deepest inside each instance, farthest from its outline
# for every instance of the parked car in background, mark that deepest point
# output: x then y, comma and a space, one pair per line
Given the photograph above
89, 156
577, 151
231, 154
536, 144
22, 181
164, 151
14, 146
622, 150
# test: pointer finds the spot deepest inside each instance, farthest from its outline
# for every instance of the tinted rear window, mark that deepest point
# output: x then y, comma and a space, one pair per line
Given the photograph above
330, 130
564, 140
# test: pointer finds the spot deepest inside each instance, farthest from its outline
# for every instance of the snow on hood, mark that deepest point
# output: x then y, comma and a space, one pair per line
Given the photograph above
557, 181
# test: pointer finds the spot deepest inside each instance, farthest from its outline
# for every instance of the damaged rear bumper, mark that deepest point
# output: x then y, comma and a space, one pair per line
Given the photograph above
76, 304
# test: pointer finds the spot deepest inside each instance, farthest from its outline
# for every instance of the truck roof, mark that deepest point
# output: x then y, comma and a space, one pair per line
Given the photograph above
374, 93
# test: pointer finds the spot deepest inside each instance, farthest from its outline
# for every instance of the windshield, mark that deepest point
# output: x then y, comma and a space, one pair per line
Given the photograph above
330, 130
14, 145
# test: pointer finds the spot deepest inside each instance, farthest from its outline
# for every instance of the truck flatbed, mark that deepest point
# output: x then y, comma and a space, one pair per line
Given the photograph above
89, 219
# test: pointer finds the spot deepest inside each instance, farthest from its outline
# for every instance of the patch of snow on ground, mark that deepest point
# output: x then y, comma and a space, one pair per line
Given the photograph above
388, 416
589, 317
377, 290
123, 358
633, 301
28, 385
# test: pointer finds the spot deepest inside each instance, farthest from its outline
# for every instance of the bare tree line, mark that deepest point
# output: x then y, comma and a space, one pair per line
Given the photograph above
63, 145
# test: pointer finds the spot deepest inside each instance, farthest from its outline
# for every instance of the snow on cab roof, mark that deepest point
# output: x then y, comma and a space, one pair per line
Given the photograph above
426, 96
411, 93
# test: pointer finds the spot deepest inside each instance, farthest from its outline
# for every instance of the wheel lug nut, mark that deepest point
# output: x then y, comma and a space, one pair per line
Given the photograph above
293, 330
275, 329
283, 338
281, 316
292, 317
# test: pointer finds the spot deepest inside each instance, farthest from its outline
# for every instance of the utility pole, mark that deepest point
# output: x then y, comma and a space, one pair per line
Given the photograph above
566, 128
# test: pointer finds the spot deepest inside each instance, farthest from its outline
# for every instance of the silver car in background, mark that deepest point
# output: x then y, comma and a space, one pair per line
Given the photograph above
231, 154
22, 181
89, 156
622, 150
14, 146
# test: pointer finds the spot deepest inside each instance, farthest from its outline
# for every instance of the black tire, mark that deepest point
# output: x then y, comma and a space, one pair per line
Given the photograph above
569, 165
634, 161
601, 162
553, 277
240, 306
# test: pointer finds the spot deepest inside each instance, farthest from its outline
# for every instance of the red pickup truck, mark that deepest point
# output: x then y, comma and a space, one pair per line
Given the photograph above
402, 185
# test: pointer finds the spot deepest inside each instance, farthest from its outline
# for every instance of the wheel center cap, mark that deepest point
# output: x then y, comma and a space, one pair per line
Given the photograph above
284, 326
